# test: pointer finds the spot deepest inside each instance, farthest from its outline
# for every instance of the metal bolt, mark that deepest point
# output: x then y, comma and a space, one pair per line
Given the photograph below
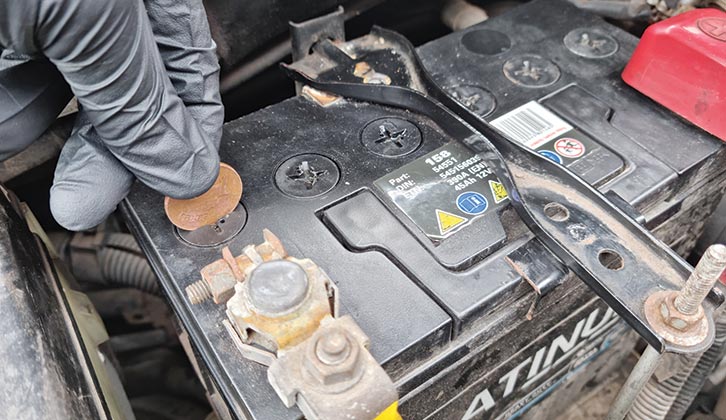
704, 277
198, 292
333, 358
333, 348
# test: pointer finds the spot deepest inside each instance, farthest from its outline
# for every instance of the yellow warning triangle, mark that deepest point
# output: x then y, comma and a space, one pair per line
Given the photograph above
498, 191
448, 221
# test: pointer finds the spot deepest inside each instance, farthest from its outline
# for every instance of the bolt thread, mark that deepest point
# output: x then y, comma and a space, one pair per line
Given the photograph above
198, 292
702, 280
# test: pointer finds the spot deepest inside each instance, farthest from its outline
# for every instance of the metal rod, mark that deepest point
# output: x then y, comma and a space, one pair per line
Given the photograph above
639, 376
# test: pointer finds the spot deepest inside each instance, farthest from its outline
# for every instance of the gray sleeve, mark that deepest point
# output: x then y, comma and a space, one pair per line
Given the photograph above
107, 52
32, 94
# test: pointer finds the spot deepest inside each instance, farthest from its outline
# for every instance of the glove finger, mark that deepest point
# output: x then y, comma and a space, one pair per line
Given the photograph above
89, 181
189, 53
107, 52
32, 94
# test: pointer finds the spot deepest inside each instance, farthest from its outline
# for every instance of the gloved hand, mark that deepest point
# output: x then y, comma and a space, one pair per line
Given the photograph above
146, 76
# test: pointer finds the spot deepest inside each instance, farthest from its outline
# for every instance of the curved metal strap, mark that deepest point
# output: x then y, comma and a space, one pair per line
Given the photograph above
618, 258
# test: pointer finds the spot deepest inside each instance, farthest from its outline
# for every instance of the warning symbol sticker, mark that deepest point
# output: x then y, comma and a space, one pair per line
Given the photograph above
569, 147
498, 191
448, 221
444, 190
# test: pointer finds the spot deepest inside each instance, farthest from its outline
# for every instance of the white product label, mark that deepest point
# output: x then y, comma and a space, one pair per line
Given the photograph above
531, 124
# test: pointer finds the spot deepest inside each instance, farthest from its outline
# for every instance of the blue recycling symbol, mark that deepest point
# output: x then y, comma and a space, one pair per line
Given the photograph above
472, 203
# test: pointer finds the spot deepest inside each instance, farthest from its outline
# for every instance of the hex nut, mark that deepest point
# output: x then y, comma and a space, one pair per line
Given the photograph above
675, 327
340, 370
677, 319
296, 378
220, 280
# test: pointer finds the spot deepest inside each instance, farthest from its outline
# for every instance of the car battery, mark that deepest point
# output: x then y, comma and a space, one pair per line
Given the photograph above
465, 309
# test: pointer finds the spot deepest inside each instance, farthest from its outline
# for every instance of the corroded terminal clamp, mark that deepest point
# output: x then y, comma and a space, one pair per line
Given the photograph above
220, 277
283, 313
331, 376
278, 302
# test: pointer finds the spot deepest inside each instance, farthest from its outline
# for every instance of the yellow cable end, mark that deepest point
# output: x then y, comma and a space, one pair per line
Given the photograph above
390, 413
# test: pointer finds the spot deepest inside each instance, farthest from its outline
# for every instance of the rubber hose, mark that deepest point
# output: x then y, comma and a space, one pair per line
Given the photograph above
655, 399
123, 241
698, 376
123, 263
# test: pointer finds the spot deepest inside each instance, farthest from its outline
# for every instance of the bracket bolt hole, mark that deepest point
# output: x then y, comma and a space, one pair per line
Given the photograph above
556, 212
610, 259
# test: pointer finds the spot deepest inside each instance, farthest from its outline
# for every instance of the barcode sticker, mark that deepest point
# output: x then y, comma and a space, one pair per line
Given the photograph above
531, 124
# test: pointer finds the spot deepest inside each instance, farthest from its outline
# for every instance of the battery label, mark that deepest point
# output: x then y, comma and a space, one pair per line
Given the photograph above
540, 129
444, 190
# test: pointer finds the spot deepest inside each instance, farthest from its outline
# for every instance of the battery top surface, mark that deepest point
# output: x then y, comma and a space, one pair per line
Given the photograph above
411, 226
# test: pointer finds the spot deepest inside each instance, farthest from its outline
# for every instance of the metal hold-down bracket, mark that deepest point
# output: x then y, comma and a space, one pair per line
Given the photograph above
619, 259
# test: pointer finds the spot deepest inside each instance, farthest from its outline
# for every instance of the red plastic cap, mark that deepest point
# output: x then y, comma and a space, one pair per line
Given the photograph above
681, 64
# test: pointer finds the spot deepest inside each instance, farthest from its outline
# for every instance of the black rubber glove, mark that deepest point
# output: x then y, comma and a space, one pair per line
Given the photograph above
146, 76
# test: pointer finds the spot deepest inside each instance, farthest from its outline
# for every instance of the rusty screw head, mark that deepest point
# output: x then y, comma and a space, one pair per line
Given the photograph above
333, 360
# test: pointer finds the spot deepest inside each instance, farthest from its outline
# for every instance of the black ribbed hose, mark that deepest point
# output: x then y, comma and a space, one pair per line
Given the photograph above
656, 398
700, 373
123, 263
